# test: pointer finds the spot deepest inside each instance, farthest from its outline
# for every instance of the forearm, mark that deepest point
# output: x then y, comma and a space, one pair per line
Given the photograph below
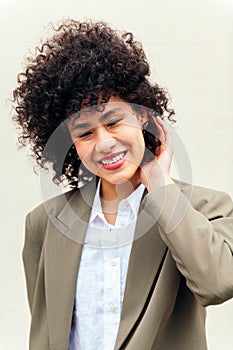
201, 247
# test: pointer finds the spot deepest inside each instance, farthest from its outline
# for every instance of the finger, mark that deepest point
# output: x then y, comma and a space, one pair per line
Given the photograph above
160, 135
157, 150
166, 131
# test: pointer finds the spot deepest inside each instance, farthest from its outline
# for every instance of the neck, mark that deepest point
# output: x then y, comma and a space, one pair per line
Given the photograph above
114, 193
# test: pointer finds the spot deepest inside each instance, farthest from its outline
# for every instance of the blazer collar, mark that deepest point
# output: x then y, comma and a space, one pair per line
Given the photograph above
63, 249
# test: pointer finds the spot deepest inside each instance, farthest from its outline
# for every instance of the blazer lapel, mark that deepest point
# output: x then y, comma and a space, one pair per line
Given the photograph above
148, 252
63, 249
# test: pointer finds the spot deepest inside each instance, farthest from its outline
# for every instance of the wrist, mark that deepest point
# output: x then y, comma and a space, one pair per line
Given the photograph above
156, 183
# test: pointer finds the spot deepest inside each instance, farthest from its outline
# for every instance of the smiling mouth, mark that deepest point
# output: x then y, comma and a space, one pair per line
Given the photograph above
113, 159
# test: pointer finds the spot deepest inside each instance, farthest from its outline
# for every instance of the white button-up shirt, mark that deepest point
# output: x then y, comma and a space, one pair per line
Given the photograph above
102, 275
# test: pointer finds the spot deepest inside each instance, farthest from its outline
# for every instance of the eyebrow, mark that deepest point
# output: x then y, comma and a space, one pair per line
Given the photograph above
102, 118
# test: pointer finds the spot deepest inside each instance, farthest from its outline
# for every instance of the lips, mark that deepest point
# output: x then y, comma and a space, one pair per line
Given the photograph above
113, 158
113, 162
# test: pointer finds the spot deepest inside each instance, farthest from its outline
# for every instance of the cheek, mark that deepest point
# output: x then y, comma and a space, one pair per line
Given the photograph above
136, 141
140, 141
133, 133
81, 151
140, 148
85, 155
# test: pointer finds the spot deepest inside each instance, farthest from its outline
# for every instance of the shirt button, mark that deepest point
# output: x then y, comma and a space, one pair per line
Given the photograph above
122, 222
113, 308
113, 263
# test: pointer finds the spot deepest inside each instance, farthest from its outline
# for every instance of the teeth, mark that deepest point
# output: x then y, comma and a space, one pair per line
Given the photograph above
113, 160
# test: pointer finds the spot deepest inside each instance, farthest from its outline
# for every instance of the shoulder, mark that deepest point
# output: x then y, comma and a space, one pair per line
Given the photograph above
52, 206
207, 200
37, 218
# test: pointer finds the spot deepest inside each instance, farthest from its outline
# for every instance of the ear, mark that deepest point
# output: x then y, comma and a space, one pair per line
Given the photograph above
143, 117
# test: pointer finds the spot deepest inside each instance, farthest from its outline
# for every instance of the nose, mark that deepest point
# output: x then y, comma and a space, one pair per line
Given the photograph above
105, 141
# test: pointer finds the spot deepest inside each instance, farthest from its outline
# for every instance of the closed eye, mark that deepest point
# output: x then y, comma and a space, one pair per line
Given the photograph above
114, 122
85, 134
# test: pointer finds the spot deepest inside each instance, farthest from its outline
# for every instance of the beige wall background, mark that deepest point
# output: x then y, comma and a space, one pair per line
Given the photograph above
189, 45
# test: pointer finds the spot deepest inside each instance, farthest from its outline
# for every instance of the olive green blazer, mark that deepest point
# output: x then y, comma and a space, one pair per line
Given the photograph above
181, 261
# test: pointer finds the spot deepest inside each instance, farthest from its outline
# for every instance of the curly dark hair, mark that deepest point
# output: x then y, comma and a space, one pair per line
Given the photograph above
81, 61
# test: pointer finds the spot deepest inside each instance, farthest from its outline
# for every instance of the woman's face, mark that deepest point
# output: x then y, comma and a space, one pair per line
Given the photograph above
109, 142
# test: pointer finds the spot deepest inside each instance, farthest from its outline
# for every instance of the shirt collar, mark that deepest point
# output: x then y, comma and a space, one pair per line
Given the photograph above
129, 203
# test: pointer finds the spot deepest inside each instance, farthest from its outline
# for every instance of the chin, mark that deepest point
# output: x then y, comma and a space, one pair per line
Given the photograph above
120, 179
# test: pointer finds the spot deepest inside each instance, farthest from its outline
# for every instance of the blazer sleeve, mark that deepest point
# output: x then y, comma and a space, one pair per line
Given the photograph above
31, 259
200, 239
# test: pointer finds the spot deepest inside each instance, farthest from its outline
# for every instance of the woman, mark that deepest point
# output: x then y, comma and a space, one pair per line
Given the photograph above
126, 259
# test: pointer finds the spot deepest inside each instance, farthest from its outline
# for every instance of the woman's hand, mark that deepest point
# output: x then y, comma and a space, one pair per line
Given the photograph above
156, 173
